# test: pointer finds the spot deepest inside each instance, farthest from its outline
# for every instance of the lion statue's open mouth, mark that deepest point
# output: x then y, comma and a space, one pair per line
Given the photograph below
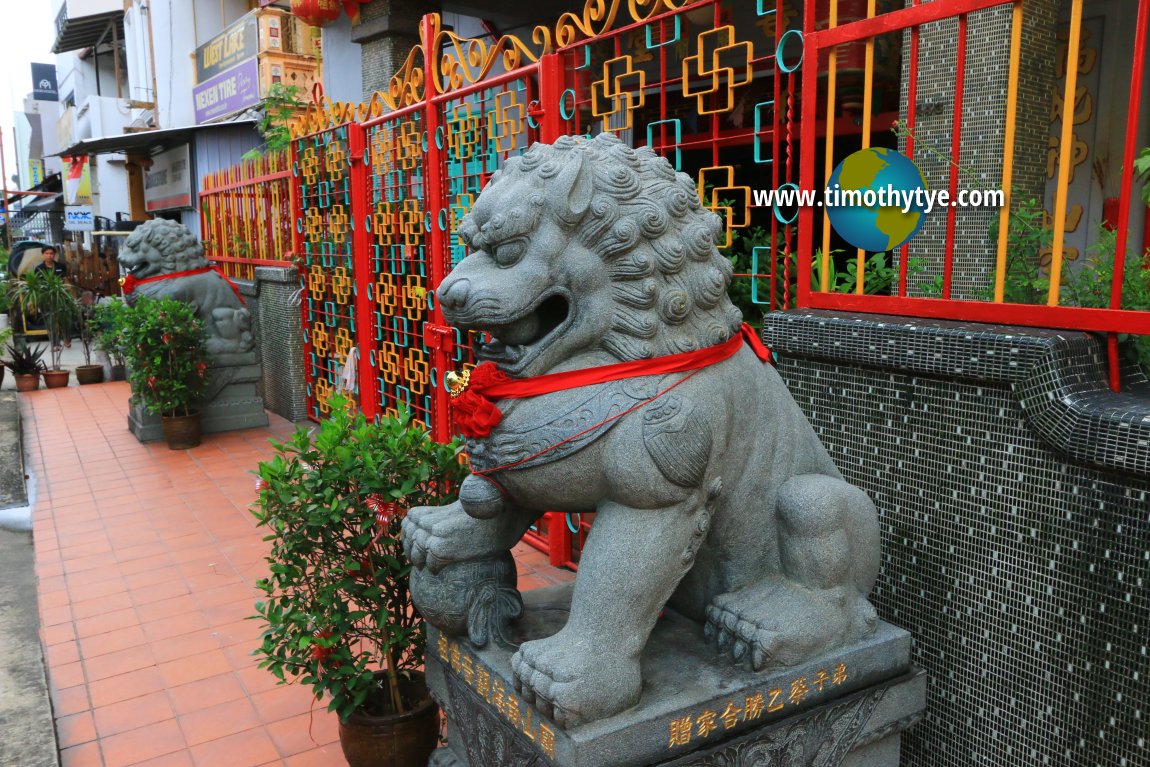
515, 343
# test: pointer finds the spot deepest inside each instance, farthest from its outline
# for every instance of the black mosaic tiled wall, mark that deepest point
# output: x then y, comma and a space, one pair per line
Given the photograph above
1020, 565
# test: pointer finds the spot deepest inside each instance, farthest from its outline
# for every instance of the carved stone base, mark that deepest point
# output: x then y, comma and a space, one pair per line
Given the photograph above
847, 708
237, 406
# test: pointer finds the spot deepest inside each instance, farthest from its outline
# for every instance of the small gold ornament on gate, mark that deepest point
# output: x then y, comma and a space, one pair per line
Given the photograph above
457, 382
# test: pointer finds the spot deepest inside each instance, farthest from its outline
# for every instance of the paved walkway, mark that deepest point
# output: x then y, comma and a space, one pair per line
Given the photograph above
146, 559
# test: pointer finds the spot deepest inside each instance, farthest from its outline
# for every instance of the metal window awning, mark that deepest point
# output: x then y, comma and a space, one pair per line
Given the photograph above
151, 140
72, 34
49, 188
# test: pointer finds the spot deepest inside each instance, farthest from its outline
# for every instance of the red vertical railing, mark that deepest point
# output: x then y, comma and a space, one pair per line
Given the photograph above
1111, 320
247, 215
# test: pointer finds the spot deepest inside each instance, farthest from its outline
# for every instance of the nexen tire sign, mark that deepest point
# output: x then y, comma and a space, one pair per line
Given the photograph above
227, 92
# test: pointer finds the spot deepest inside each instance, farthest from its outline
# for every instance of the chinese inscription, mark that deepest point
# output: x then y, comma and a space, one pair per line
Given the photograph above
503, 699
750, 707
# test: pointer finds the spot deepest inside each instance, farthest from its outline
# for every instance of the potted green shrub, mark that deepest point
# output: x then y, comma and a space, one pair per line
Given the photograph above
26, 366
45, 293
167, 358
86, 315
107, 327
338, 614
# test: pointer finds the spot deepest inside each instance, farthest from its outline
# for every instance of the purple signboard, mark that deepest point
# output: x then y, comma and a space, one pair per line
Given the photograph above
228, 92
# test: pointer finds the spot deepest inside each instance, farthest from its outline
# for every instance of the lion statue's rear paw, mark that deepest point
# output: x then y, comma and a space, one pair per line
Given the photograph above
572, 683
779, 623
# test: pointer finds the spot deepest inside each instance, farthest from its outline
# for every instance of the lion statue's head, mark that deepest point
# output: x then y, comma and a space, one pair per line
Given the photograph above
588, 252
161, 247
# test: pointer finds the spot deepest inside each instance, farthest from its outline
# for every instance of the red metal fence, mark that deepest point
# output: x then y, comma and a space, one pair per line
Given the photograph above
713, 86
1051, 306
247, 215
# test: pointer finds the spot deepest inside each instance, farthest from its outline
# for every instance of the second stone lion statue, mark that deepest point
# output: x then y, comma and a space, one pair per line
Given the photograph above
712, 493
163, 259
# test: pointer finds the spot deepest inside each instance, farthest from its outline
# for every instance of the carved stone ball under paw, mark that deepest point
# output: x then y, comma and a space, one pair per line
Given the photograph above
480, 498
476, 599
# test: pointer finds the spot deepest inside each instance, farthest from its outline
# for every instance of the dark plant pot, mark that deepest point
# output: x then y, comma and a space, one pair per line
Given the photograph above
406, 740
119, 372
2, 369
181, 431
90, 374
56, 379
27, 382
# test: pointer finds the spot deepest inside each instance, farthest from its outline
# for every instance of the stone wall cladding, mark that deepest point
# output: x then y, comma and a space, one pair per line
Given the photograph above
983, 126
383, 54
1020, 569
281, 342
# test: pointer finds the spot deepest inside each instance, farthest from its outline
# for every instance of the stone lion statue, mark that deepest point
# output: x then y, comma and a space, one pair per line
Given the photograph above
712, 493
160, 248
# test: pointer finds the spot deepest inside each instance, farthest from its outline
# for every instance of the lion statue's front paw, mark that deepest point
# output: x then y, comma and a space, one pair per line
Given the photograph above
437, 536
573, 682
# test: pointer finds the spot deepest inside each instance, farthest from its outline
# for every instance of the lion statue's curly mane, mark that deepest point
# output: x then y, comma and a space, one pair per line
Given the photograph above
657, 242
173, 246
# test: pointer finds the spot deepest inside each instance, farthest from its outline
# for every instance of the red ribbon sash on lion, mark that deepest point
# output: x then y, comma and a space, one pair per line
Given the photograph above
130, 283
476, 414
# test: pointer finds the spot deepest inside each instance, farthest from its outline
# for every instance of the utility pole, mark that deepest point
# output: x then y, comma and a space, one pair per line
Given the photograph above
7, 205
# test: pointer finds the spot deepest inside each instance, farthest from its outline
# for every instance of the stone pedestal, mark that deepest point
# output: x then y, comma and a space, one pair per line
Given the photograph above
235, 405
847, 708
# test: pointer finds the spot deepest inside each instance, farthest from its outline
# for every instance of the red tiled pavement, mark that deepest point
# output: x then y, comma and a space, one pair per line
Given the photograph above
146, 560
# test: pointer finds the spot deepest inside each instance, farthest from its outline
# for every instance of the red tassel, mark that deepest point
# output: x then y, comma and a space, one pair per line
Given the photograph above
128, 283
475, 415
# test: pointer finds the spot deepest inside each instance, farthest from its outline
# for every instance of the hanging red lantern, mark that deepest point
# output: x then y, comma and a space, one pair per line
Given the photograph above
317, 13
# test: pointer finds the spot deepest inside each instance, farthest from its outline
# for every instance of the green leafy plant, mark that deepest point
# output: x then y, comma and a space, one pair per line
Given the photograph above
1142, 171
881, 274
25, 361
108, 324
45, 293
165, 347
280, 105
1026, 237
1090, 284
338, 606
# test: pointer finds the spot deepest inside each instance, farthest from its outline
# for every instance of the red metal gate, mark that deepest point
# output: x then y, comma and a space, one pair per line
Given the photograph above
380, 194
712, 85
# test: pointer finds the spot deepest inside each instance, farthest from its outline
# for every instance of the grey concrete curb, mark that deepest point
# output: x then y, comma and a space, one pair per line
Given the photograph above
27, 730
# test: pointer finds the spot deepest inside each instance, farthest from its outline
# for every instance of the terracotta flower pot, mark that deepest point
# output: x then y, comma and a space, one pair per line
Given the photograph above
90, 374
56, 379
28, 382
404, 740
181, 431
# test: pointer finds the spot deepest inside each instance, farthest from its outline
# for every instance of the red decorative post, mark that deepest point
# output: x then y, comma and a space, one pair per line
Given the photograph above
362, 268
